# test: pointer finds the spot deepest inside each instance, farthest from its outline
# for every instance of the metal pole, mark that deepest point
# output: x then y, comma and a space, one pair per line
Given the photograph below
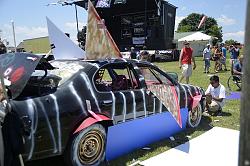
14, 35
244, 145
77, 26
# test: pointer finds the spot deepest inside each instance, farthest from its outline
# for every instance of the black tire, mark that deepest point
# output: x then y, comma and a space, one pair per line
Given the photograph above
87, 147
194, 116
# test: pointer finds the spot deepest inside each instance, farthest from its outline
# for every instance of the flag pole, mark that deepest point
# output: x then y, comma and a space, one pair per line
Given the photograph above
77, 24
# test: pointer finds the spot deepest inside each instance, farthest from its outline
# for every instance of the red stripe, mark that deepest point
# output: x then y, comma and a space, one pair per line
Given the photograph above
91, 120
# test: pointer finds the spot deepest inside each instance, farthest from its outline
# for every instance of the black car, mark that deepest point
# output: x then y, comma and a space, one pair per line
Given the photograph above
91, 111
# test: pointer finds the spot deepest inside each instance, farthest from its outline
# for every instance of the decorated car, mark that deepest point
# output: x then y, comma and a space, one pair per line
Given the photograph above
91, 111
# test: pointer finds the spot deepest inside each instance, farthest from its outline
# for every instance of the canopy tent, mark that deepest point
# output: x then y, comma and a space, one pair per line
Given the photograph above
198, 42
196, 37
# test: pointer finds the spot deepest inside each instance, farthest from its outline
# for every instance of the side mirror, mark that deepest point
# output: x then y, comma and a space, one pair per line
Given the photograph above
173, 75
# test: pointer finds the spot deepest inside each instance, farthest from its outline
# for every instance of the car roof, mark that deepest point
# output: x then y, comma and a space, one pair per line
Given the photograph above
120, 60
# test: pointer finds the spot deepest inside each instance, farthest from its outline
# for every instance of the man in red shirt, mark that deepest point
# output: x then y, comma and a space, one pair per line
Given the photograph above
185, 61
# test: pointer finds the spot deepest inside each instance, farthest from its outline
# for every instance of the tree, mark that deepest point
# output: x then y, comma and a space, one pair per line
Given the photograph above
230, 42
210, 27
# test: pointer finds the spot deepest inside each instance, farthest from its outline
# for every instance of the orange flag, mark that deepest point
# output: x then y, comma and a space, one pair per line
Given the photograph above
99, 42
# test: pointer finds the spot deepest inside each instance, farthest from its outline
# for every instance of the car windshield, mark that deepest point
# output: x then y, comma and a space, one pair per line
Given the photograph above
65, 69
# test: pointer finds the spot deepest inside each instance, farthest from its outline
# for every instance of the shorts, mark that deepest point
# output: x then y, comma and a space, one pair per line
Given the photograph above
186, 70
223, 61
207, 62
215, 58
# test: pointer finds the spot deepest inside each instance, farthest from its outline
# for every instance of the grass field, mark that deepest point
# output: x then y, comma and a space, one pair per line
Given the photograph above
229, 119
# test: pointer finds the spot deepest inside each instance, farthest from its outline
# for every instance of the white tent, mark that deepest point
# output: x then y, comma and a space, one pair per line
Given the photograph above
196, 37
198, 42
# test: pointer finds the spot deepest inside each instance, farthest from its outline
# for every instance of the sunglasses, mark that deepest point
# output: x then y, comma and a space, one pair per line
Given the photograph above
212, 83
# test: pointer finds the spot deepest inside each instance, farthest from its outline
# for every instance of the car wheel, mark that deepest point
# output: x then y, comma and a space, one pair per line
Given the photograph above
194, 116
88, 146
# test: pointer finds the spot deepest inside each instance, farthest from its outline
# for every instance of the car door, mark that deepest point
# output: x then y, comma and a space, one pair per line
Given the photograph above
161, 92
151, 124
119, 92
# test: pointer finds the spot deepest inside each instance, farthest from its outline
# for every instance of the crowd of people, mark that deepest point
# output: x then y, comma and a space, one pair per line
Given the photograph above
215, 93
218, 53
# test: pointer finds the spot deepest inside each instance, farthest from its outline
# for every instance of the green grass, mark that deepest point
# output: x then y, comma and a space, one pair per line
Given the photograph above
229, 119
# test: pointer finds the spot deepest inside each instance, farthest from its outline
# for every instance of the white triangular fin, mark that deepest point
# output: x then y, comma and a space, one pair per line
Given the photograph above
62, 46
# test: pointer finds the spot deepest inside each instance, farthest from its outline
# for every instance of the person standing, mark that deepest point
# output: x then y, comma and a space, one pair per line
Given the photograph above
223, 59
233, 55
144, 54
215, 95
217, 56
133, 54
237, 51
185, 61
206, 58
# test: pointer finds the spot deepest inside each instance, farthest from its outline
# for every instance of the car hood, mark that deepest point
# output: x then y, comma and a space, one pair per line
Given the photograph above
17, 68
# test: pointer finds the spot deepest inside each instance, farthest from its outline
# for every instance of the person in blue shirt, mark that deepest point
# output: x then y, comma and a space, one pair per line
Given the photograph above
237, 68
233, 54
224, 56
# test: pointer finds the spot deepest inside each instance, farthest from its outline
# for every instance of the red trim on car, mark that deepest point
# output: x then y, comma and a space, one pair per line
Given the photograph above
196, 100
91, 120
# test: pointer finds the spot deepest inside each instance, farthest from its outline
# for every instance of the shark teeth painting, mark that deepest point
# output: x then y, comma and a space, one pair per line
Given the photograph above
99, 42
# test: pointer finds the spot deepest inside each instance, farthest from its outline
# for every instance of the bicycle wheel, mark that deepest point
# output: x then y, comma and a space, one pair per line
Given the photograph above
234, 83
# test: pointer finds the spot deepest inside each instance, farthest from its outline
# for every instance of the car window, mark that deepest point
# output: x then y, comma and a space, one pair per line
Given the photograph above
65, 70
115, 78
152, 76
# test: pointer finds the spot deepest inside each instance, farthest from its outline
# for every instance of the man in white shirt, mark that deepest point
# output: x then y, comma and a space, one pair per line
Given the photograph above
206, 58
215, 95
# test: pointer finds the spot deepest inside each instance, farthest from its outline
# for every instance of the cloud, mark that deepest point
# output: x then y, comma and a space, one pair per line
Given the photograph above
183, 8
238, 36
31, 32
72, 25
22, 33
178, 20
224, 20
25, 32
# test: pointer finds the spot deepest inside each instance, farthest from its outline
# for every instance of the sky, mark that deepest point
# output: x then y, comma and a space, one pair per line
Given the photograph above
29, 17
